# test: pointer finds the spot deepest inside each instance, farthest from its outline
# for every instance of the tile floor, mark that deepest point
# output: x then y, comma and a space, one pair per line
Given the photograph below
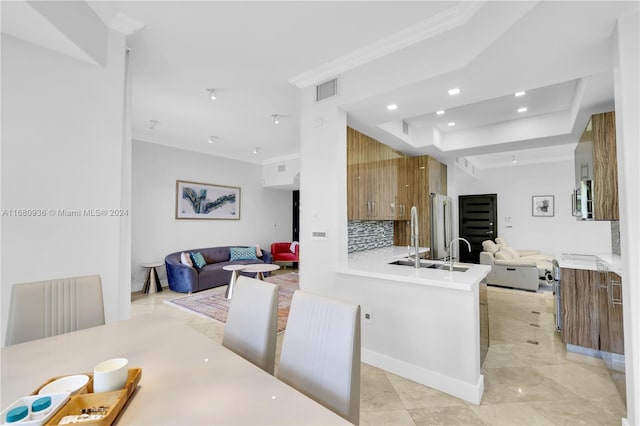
525, 383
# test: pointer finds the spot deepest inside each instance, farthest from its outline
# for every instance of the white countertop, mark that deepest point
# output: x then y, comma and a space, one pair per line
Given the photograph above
375, 264
588, 261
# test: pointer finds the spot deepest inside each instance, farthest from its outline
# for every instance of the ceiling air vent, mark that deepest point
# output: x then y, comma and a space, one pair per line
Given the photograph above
327, 89
405, 127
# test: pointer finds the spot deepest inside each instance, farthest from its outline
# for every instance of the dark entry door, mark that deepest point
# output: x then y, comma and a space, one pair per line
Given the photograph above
477, 222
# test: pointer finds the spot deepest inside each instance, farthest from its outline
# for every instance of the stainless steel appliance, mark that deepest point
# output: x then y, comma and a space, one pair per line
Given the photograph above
582, 200
440, 226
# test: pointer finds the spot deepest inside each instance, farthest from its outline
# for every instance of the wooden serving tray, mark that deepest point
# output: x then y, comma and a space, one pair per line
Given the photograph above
85, 398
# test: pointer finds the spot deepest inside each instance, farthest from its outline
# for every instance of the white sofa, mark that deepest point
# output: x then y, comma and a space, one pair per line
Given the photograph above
515, 268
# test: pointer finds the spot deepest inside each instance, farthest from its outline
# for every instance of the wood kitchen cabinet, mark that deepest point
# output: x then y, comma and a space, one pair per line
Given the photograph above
371, 178
383, 184
484, 321
591, 315
610, 315
437, 177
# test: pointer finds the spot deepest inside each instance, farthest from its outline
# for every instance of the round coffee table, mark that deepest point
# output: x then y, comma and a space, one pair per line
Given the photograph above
260, 269
234, 276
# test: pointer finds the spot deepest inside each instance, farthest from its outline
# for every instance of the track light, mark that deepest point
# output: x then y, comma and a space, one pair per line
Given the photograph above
212, 139
256, 150
514, 161
212, 94
152, 124
276, 119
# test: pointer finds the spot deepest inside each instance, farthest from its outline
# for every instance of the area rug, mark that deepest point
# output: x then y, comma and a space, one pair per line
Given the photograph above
213, 304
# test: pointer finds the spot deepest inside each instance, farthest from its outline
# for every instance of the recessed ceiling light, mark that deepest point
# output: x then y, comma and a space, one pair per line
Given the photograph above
520, 93
440, 112
523, 109
451, 124
212, 94
454, 91
392, 107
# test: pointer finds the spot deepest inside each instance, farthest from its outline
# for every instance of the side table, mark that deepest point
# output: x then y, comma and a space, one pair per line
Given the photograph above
152, 284
234, 276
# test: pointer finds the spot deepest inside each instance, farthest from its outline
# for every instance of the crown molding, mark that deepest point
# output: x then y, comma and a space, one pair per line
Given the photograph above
428, 28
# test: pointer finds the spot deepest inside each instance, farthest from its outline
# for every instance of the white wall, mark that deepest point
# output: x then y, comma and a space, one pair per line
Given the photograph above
627, 88
265, 214
515, 186
62, 138
282, 173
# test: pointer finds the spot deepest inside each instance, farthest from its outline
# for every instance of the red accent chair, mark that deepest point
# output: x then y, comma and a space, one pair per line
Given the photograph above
281, 252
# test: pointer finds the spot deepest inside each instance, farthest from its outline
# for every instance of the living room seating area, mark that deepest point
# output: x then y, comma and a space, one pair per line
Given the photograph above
200, 269
522, 269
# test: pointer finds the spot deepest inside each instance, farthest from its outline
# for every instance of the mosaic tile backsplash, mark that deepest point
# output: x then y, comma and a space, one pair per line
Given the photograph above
369, 234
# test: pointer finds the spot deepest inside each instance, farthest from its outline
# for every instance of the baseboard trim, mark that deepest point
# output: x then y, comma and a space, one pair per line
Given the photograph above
471, 392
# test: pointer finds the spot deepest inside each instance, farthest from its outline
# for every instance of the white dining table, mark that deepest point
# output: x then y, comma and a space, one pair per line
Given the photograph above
187, 378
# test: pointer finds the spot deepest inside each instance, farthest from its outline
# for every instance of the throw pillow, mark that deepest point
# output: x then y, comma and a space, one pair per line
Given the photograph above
198, 260
242, 253
185, 259
258, 251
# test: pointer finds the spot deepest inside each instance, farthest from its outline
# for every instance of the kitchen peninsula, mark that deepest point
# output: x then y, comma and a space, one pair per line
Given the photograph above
427, 325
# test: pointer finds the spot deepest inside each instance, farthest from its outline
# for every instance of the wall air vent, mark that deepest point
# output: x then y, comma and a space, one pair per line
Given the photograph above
405, 127
281, 168
327, 89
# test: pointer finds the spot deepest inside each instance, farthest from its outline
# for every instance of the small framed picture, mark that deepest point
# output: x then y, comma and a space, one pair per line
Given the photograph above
542, 205
195, 200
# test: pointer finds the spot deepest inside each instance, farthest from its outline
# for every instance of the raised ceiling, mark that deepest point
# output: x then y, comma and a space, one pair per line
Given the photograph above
255, 54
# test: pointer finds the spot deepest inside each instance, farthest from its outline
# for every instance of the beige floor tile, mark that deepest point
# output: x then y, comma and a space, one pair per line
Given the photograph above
583, 381
377, 394
612, 405
510, 414
415, 395
543, 390
445, 416
578, 412
386, 418
370, 369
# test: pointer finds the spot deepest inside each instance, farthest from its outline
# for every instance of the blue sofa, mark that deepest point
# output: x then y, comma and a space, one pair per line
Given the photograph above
186, 279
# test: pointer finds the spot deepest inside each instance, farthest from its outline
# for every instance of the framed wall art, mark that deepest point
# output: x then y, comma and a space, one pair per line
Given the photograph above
196, 200
542, 205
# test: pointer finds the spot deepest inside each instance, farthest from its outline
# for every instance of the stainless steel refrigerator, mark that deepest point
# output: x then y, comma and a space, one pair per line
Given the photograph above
440, 226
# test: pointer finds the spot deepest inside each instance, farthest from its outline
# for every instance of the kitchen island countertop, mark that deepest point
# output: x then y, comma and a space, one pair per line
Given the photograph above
376, 264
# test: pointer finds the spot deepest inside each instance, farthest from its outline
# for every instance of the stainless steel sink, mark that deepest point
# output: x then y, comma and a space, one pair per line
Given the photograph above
429, 265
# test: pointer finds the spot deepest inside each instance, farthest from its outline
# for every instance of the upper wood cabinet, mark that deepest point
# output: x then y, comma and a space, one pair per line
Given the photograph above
383, 184
437, 177
597, 169
372, 175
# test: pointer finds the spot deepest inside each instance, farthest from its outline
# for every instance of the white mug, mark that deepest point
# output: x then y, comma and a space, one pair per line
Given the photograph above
110, 375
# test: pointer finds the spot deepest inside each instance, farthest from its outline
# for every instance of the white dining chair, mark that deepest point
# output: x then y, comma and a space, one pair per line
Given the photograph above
48, 308
320, 354
250, 330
